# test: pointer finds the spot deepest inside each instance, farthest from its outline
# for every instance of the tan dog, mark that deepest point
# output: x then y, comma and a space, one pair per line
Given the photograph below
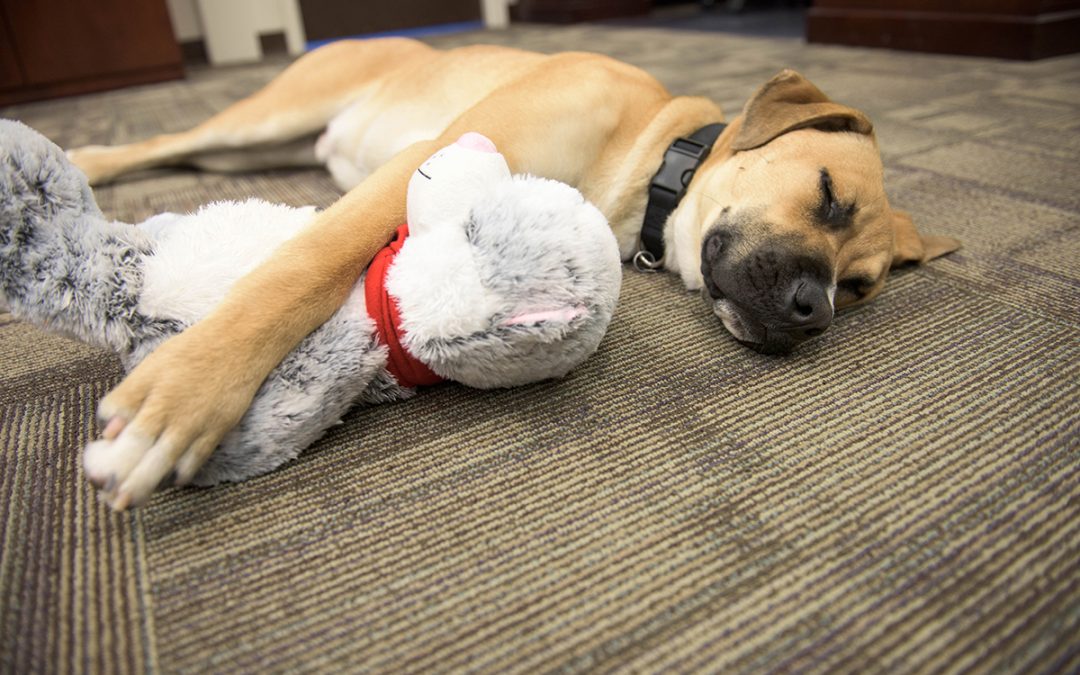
786, 221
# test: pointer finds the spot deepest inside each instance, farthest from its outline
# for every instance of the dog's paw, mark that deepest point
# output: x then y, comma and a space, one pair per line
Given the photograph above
100, 163
109, 464
165, 419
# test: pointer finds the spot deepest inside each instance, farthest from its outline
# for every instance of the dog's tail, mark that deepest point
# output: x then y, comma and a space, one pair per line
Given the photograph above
62, 265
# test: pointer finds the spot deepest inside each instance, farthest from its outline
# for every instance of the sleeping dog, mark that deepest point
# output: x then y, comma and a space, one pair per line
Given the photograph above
779, 217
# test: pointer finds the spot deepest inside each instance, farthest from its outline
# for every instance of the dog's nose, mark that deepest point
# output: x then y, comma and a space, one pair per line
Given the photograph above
808, 309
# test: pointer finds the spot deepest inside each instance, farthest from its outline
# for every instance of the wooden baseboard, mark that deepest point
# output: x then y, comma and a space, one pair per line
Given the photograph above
969, 28
329, 19
574, 11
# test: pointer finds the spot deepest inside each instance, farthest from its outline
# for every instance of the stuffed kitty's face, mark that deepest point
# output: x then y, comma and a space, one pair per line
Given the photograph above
446, 187
516, 285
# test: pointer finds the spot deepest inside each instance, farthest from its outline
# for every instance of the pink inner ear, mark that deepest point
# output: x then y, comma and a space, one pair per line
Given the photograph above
563, 314
477, 142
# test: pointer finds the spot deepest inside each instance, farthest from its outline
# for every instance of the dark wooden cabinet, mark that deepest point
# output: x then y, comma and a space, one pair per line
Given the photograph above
1011, 29
61, 47
10, 75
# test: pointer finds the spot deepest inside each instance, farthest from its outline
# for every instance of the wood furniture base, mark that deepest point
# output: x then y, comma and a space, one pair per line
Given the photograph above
62, 47
1010, 29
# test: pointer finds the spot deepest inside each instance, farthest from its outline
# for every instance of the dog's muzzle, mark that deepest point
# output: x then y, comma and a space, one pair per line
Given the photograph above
772, 299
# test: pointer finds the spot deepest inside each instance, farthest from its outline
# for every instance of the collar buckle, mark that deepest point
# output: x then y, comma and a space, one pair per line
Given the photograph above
681, 160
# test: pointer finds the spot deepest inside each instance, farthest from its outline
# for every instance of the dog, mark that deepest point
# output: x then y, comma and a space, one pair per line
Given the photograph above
779, 218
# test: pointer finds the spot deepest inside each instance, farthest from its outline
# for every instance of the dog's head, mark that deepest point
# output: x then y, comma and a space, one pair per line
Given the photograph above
788, 221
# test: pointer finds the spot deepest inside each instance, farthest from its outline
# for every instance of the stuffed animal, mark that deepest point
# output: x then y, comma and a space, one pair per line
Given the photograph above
497, 281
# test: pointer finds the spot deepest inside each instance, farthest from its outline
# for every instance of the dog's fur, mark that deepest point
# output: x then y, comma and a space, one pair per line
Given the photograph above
786, 221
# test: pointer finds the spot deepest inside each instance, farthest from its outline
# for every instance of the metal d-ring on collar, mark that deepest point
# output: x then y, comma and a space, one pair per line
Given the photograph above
645, 262
667, 187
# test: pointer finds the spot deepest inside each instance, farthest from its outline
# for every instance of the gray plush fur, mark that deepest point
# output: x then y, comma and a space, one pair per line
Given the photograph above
571, 271
66, 268
55, 270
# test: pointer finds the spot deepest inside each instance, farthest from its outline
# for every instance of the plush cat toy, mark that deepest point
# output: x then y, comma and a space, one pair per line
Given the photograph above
500, 281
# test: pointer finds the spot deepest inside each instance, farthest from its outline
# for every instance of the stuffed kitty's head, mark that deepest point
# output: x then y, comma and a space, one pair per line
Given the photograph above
515, 281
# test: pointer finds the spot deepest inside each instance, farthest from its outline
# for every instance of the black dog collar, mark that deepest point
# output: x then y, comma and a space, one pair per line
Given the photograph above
668, 186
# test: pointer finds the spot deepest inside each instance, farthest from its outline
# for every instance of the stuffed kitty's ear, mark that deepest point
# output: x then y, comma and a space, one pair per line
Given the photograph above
911, 247
560, 315
787, 102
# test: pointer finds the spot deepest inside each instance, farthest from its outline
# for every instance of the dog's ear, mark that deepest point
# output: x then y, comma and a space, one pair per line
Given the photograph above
787, 102
911, 247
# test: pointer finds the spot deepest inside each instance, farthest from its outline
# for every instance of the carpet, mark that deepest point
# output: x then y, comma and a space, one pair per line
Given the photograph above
901, 495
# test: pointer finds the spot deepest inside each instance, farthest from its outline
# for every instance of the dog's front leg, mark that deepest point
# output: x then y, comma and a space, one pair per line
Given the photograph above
172, 410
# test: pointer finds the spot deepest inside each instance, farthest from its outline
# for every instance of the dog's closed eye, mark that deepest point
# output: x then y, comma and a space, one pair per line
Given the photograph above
830, 211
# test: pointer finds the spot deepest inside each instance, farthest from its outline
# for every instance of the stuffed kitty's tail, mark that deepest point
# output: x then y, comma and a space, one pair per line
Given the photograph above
62, 265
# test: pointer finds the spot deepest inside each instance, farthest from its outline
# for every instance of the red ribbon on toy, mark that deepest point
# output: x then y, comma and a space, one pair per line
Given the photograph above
383, 310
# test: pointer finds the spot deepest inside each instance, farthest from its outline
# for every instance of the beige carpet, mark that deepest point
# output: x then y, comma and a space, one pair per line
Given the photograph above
902, 495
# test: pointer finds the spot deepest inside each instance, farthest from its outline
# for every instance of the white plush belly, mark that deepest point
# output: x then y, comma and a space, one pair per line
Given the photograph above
198, 257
